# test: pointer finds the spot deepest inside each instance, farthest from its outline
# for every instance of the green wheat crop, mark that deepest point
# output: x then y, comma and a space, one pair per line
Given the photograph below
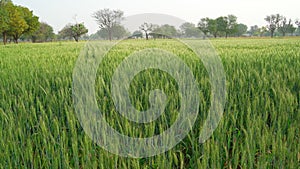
260, 127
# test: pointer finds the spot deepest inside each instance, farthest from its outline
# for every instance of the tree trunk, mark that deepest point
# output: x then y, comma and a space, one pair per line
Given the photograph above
4, 38
205, 35
147, 36
76, 38
272, 34
109, 34
33, 39
16, 39
283, 34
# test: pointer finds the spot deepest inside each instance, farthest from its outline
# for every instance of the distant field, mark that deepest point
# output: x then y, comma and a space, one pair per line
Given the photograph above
260, 127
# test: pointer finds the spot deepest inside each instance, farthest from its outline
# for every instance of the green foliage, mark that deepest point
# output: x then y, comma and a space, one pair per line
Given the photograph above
16, 21
31, 20
254, 30
286, 26
189, 30
231, 25
203, 25
43, 34
118, 32
137, 34
213, 27
241, 29
165, 31
73, 31
78, 30
273, 21
5, 9
223, 25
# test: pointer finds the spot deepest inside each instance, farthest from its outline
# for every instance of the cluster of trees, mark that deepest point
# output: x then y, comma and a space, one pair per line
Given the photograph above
281, 24
228, 26
109, 22
156, 31
206, 27
44, 33
117, 32
18, 22
72, 31
222, 26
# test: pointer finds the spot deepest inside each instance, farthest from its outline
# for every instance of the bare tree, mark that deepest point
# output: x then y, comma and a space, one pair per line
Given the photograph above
298, 23
285, 26
147, 28
273, 21
107, 19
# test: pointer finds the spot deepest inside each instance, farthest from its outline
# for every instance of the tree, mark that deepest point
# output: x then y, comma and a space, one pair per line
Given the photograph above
273, 21
241, 29
147, 28
212, 27
78, 30
262, 30
221, 24
203, 25
118, 32
65, 33
189, 30
32, 23
291, 29
16, 21
43, 34
107, 19
137, 34
231, 25
165, 31
285, 26
4, 19
254, 30
297, 22
73, 31
100, 34
31, 20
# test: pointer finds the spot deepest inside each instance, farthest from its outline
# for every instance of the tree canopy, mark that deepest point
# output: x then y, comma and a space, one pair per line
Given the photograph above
108, 19
118, 32
73, 31
43, 34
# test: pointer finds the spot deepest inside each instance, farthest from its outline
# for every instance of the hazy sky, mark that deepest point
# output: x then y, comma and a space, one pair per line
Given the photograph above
58, 13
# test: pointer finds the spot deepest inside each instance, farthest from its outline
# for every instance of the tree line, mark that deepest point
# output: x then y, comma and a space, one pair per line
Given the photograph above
223, 26
18, 22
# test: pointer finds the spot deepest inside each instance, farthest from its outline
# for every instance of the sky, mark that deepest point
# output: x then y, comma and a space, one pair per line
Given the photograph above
58, 13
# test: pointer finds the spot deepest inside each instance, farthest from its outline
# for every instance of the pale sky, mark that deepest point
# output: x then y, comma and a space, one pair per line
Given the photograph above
58, 13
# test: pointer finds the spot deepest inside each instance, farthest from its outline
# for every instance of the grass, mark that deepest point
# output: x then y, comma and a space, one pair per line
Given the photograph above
260, 127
